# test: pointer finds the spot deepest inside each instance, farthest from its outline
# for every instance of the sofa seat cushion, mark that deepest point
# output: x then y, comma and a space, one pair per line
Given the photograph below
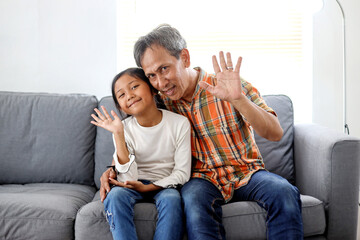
91, 221
41, 211
247, 219
242, 220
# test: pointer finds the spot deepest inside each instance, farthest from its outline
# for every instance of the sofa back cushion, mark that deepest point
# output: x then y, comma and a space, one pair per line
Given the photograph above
278, 156
46, 138
104, 146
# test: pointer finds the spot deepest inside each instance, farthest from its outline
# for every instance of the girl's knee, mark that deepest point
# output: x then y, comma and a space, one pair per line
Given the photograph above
118, 195
168, 196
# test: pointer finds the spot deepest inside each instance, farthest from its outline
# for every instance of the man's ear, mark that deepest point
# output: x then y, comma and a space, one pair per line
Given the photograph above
185, 57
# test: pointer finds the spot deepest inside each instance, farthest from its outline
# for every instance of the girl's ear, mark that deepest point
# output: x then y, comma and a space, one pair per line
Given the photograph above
185, 57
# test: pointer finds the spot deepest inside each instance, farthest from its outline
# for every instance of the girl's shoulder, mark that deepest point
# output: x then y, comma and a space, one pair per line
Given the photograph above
128, 120
174, 118
172, 115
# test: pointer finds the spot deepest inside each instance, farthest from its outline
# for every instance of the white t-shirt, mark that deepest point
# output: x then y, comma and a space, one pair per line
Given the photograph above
160, 154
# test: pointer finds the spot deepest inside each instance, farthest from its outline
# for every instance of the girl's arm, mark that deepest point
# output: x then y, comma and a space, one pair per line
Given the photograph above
136, 185
124, 165
116, 127
182, 169
122, 151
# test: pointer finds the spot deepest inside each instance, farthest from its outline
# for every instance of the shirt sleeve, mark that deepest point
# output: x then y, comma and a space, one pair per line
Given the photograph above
254, 95
127, 171
182, 169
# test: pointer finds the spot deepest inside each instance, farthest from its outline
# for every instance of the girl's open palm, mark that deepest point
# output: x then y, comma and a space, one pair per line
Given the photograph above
105, 121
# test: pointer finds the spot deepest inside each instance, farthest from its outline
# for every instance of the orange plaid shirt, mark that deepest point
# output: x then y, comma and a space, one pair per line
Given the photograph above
222, 141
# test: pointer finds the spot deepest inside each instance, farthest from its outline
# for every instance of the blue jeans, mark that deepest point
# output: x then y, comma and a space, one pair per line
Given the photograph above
119, 208
281, 200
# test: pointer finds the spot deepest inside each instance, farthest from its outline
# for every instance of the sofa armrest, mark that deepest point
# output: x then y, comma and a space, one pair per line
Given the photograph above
327, 167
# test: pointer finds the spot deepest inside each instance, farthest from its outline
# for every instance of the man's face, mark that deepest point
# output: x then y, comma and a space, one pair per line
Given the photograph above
166, 73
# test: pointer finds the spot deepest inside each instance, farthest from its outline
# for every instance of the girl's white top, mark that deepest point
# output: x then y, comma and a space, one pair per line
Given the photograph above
160, 154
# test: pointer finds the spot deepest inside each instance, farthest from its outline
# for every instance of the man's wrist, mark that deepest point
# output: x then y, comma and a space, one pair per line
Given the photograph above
237, 103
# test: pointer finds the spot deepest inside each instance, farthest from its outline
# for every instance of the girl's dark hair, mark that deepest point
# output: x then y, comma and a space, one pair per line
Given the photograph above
136, 73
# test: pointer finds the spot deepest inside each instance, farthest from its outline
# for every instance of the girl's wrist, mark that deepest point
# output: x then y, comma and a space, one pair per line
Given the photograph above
119, 132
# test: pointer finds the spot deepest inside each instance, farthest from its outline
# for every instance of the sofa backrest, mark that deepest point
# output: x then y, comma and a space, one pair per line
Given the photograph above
278, 156
46, 138
104, 146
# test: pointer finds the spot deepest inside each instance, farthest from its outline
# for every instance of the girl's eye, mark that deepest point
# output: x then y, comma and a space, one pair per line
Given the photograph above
121, 95
134, 87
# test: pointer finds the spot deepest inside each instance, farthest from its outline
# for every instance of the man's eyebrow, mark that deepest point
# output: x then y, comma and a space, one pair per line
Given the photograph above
157, 70
162, 65
127, 84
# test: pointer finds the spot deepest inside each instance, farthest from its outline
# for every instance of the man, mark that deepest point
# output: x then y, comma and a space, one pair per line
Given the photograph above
223, 110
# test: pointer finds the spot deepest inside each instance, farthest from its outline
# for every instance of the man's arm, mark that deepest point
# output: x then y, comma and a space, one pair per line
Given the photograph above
264, 123
229, 88
104, 181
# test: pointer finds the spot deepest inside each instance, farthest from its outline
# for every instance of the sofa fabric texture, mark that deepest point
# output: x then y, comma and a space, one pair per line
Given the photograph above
279, 156
45, 135
51, 160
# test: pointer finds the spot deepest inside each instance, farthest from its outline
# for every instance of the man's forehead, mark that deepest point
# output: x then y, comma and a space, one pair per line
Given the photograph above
154, 55
153, 64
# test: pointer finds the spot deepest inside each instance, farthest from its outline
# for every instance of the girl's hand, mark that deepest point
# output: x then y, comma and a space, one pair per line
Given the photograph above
228, 87
106, 122
115, 182
140, 187
136, 185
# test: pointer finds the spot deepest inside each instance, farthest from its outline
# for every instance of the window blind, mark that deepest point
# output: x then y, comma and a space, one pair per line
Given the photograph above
273, 37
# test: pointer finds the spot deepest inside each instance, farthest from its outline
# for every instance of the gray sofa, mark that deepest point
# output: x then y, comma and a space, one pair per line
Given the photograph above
51, 159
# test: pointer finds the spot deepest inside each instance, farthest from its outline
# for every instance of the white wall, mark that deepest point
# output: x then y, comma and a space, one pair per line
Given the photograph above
327, 86
69, 46
66, 46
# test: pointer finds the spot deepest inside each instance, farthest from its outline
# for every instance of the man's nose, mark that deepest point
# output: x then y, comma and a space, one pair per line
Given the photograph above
162, 82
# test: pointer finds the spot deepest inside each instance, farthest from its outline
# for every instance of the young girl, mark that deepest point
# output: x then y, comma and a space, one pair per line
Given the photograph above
152, 156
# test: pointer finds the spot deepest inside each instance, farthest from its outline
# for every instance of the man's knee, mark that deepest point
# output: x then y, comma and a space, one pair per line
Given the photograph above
198, 191
286, 196
201, 198
286, 190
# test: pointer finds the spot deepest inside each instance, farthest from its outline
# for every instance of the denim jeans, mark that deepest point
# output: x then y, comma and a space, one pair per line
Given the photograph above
281, 200
119, 208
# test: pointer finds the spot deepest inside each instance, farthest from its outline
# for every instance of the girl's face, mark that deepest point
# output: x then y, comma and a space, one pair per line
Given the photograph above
133, 95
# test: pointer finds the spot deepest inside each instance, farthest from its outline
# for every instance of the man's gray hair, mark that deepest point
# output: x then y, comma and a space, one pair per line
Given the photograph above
165, 36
